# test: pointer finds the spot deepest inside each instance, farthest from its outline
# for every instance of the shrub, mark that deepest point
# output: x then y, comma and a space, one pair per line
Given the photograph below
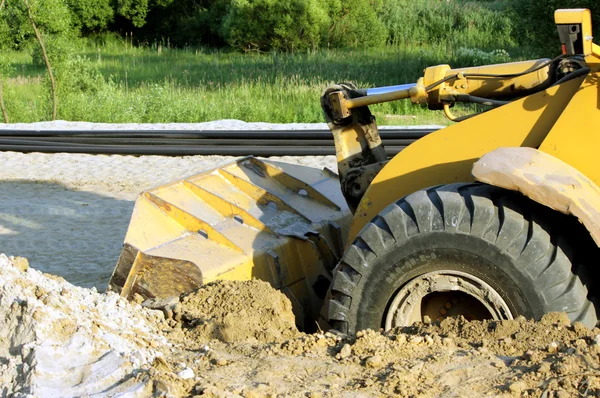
52, 17
91, 15
133, 10
58, 48
476, 57
453, 22
354, 23
78, 74
275, 24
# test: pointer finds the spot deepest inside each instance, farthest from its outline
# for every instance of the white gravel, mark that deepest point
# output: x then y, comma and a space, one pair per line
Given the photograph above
68, 213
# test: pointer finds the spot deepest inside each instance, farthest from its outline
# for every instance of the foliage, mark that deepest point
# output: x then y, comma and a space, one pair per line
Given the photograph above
52, 17
275, 24
58, 48
195, 85
452, 22
91, 15
535, 21
476, 57
77, 74
133, 10
186, 22
354, 23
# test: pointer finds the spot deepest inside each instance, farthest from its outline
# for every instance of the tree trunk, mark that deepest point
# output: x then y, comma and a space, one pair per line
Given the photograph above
46, 60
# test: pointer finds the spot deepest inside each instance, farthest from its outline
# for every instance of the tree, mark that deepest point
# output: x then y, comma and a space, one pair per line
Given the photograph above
264, 25
354, 23
91, 15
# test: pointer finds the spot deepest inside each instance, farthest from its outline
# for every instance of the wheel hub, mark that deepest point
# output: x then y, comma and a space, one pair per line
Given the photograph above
442, 294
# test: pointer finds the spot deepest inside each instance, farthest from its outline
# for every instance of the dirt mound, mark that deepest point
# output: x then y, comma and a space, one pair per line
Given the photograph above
239, 338
57, 339
246, 311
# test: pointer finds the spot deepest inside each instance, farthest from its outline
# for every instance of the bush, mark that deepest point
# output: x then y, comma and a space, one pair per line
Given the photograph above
186, 22
78, 75
536, 25
453, 22
59, 48
52, 17
265, 25
91, 15
354, 23
476, 57
133, 10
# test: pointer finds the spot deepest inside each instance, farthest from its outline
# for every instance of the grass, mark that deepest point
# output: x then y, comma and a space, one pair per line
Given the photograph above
158, 85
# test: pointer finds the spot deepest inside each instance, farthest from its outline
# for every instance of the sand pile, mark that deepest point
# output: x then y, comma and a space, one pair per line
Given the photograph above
60, 340
233, 312
550, 358
239, 339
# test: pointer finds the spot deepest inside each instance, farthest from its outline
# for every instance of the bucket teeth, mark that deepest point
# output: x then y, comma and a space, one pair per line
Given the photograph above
250, 219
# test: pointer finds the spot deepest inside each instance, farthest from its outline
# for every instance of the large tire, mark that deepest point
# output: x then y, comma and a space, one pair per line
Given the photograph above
512, 249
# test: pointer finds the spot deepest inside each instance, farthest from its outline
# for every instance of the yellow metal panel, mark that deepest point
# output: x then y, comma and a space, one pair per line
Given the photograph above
575, 138
160, 228
581, 16
188, 232
447, 155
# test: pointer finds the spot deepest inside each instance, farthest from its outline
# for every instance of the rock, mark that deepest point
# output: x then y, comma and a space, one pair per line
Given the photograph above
186, 373
137, 298
552, 347
160, 303
20, 263
345, 352
374, 362
517, 387
416, 339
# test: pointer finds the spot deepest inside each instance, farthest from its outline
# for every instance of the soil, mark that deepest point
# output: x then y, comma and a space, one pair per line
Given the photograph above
238, 339
454, 357
233, 312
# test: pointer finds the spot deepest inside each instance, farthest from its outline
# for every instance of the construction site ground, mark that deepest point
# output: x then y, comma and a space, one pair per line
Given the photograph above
61, 336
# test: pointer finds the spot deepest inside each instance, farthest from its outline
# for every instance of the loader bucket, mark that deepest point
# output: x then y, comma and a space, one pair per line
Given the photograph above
282, 223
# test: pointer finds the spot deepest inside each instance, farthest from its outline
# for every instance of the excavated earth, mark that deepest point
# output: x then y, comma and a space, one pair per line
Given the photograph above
230, 339
62, 338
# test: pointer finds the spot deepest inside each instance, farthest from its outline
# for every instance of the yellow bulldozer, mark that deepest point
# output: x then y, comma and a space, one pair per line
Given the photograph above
494, 217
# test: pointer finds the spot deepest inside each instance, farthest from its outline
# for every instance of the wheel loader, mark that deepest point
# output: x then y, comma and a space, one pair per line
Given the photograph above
494, 217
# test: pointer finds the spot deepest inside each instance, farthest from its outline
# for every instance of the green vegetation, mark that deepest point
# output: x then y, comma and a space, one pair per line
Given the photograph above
255, 60
192, 85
